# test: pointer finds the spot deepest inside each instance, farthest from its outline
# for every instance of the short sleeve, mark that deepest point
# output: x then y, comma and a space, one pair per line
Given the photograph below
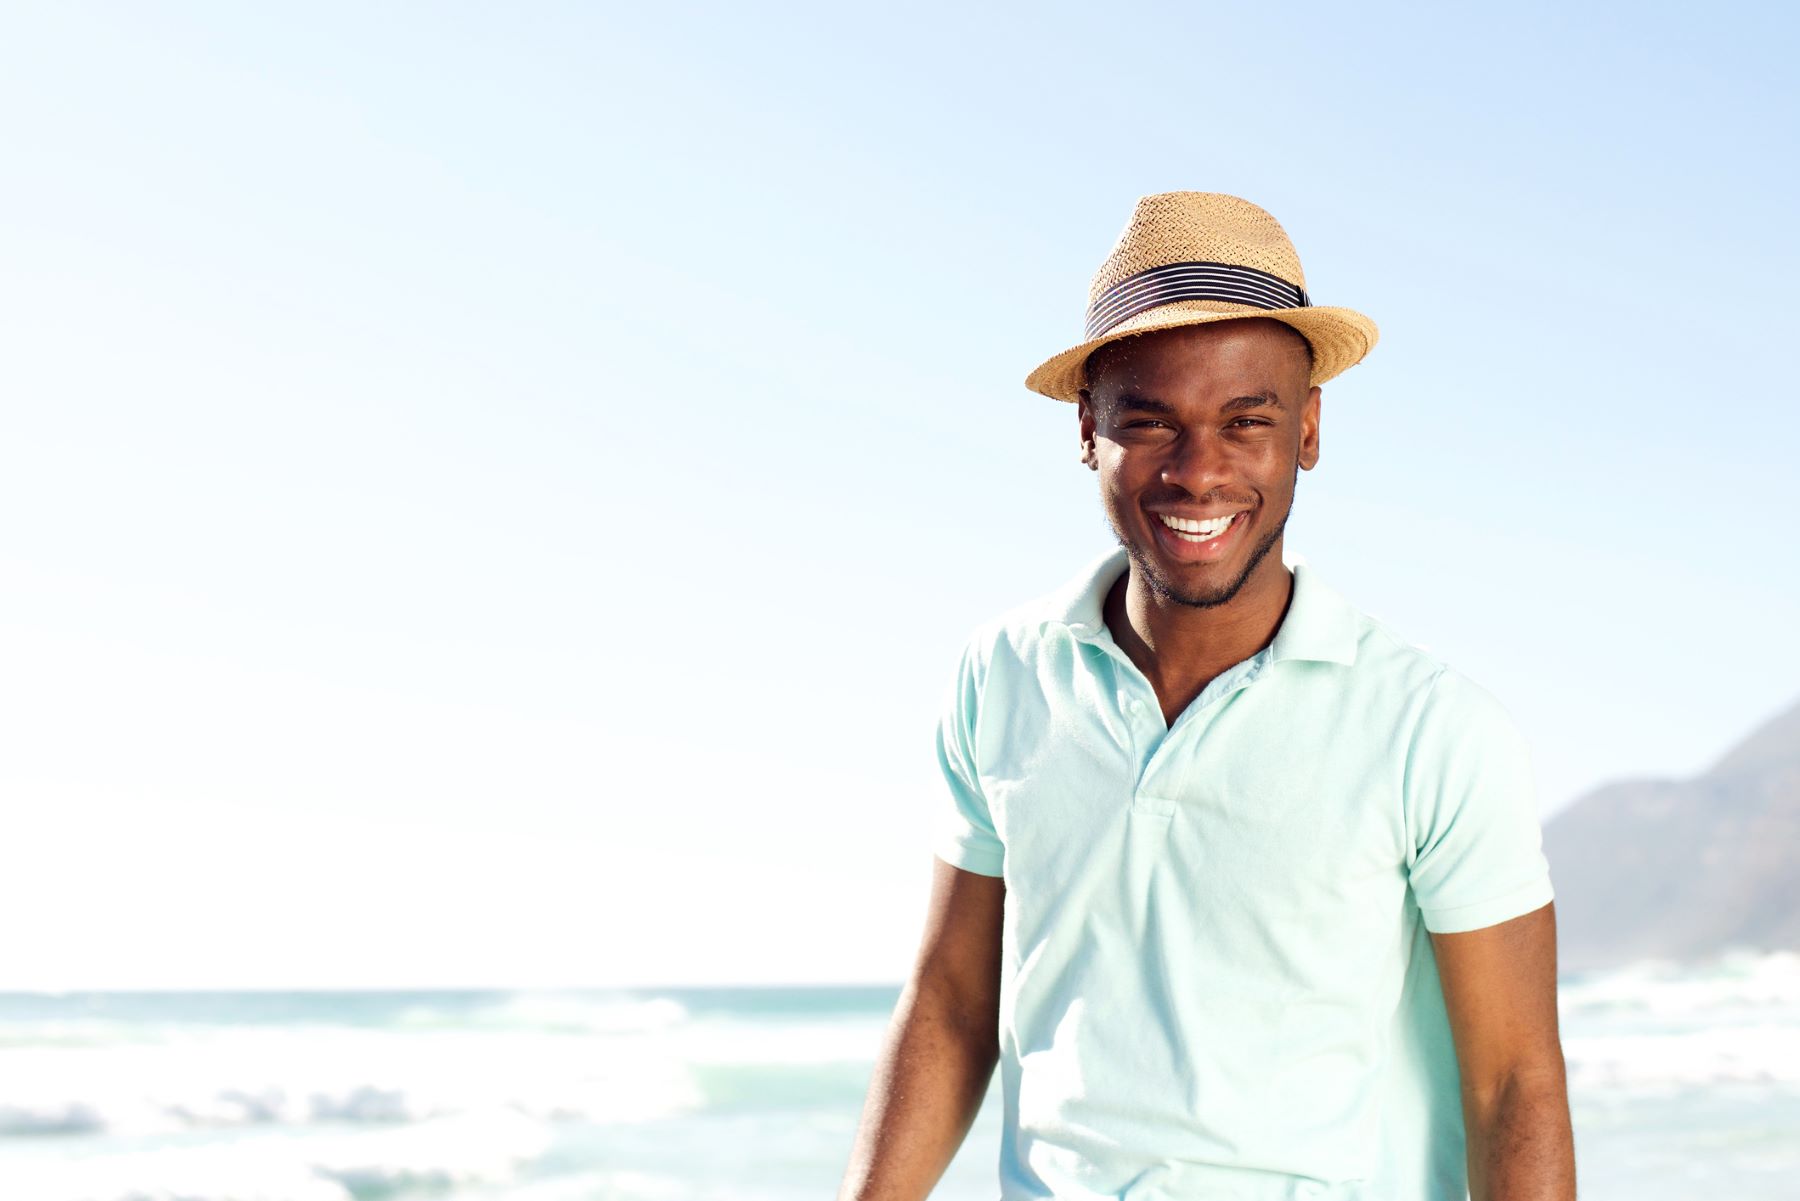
1477, 846
965, 837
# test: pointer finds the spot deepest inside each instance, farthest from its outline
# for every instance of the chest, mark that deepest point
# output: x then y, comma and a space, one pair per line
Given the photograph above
1275, 790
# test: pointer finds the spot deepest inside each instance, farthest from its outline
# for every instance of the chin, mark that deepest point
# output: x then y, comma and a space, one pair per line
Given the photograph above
1202, 598
1197, 585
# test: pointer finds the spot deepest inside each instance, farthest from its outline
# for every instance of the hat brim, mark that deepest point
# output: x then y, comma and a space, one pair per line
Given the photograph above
1340, 339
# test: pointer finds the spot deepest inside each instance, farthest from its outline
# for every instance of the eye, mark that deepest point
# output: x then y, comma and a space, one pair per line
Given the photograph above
1251, 421
1131, 425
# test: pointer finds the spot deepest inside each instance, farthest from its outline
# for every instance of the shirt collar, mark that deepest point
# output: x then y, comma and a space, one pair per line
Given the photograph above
1319, 623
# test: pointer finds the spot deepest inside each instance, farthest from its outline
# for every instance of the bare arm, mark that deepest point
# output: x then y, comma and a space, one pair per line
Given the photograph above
1500, 992
941, 1047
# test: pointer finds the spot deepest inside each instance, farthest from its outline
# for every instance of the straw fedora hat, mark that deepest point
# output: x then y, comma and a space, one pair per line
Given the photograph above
1187, 258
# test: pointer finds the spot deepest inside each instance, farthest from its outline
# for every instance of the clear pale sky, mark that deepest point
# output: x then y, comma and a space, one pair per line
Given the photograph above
495, 495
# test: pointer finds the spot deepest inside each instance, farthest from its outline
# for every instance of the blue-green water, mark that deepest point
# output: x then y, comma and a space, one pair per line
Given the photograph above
1684, 1084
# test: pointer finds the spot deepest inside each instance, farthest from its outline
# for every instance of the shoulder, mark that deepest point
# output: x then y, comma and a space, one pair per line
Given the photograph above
1018, 635
1387, 650
1012, 638
1422, 689
1442, 712
1461, 715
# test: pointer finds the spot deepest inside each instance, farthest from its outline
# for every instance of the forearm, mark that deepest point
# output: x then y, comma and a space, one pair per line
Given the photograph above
928, 1085
1521, 1145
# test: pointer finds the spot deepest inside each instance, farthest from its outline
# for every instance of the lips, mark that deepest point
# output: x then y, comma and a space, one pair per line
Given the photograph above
1197, 528
1205, 544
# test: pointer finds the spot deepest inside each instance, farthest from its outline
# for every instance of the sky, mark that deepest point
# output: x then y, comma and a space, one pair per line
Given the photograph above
496, 494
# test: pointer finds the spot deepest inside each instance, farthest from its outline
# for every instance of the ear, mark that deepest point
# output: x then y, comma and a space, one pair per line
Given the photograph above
1309, 428
1084, 413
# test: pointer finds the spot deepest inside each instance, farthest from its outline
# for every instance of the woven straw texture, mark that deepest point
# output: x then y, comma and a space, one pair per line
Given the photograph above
1181, 227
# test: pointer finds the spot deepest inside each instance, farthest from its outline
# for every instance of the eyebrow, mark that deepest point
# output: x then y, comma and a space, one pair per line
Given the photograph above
1255, 400
1132, 402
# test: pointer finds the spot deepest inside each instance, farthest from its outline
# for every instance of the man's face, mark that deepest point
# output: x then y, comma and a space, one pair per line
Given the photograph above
1200, 422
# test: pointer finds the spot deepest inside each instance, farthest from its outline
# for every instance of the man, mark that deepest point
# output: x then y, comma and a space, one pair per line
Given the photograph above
1243, 892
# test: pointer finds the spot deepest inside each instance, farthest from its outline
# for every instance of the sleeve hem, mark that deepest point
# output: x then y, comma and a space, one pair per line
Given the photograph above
983, 861
1454, 919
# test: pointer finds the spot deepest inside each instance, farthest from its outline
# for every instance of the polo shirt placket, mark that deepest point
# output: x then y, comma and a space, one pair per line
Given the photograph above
1152, 743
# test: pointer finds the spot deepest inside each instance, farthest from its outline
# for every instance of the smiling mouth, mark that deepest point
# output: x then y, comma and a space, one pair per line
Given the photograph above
1199, 533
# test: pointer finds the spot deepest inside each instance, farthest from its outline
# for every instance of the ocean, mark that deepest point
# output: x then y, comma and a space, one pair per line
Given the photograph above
1684, 1084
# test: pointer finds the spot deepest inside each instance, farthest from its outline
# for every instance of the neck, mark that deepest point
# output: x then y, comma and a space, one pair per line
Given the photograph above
1178, 644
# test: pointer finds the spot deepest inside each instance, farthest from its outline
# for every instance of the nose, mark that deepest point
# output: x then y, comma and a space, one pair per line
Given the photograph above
1198, 461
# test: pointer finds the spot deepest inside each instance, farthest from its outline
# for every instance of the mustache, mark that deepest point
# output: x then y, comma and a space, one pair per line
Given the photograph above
1189, 499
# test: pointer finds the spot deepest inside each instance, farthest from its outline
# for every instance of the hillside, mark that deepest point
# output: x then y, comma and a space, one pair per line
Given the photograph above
1680, 869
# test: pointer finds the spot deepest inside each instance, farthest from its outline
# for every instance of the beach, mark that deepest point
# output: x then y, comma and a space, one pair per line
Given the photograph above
1684, 1082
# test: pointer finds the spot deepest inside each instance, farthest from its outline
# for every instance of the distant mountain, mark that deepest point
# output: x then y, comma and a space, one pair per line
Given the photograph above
1682, 869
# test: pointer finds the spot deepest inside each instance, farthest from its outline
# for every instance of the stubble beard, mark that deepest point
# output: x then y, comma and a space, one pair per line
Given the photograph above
1166, 590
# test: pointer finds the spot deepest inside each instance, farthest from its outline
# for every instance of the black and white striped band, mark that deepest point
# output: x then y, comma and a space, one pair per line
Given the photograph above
1191, 281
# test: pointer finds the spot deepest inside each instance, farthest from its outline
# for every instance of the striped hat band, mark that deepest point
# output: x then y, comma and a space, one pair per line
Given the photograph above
1191, 281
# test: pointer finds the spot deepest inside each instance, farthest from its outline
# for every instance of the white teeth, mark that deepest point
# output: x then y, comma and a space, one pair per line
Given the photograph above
1196, 531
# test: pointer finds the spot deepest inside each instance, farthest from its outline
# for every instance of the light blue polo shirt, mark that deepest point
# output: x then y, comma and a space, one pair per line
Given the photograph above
1217, 980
